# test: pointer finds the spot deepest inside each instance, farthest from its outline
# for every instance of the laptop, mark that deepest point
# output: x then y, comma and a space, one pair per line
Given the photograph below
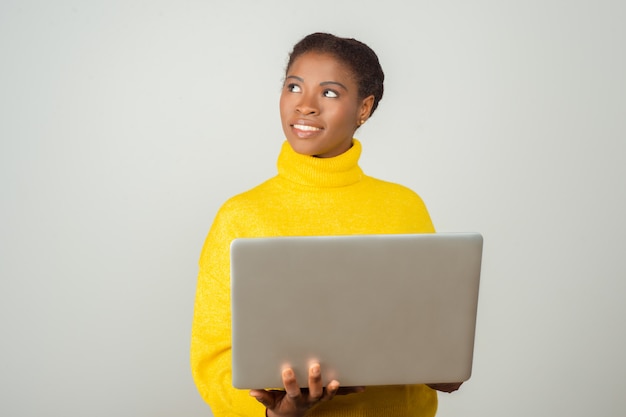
370, 309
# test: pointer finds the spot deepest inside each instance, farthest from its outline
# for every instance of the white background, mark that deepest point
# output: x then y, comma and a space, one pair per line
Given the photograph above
125, 124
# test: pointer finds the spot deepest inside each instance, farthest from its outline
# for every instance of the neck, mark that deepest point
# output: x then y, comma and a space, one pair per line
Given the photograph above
337, 171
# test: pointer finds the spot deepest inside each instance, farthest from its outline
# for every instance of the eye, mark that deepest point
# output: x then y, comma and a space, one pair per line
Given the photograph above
330, 94
294, 88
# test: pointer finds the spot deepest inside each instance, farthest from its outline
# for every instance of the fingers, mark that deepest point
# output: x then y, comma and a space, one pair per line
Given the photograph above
295, 400
291, 385
316, 389
331, 390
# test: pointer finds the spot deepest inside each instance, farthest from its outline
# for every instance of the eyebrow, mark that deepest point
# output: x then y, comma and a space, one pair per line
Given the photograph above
334, 83
321, 84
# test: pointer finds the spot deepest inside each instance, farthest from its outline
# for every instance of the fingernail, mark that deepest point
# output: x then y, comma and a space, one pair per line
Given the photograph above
315, 370
288, 373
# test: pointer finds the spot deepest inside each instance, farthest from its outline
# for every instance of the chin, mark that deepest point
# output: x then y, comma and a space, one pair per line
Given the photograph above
303, 148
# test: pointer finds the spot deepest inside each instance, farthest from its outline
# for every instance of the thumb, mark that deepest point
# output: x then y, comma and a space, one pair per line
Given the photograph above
263, 397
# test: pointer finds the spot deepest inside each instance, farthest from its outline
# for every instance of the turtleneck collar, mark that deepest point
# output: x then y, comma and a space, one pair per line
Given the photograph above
337, 171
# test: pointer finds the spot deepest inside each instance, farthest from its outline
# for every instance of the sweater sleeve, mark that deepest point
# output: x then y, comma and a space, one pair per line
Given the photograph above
211, 329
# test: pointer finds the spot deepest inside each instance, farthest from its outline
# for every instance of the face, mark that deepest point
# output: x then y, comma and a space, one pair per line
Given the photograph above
320, 107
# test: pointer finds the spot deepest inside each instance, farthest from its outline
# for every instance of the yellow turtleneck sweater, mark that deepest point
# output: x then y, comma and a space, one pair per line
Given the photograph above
309, 196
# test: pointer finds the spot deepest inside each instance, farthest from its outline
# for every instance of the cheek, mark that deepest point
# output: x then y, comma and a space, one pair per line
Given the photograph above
344, 116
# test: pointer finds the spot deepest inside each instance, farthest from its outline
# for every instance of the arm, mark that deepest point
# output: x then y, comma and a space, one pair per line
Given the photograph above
211, 338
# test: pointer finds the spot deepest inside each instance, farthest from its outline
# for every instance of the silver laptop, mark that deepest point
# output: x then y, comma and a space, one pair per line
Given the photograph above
370, 309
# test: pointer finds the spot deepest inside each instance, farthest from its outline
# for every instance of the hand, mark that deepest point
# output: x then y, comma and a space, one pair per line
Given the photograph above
295, 402
446, 387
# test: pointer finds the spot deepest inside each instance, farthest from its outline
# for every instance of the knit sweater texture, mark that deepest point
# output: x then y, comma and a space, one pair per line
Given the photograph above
310, 196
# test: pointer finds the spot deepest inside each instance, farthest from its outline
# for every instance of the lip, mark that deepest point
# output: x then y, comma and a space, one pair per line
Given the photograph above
305, 122
305, 128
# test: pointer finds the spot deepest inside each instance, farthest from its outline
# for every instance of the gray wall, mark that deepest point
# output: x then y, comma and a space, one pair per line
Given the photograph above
125, 124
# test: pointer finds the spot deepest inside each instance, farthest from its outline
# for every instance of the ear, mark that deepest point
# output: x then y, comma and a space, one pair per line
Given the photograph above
366, 109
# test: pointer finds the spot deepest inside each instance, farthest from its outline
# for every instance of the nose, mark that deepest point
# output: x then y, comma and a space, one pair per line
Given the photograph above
307, 105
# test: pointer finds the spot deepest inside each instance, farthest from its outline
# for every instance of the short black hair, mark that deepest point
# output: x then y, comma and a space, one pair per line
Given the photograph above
359, 58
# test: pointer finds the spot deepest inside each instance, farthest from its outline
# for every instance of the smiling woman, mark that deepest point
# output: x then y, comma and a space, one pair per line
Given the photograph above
320, 106
332, 86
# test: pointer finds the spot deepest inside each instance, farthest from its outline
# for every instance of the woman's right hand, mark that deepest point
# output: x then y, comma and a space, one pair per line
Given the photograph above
296, 402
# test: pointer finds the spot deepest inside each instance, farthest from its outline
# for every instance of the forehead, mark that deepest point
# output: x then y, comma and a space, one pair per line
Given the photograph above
320, 67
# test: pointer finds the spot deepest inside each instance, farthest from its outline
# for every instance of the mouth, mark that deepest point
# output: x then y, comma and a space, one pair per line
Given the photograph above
305, 131
306, 128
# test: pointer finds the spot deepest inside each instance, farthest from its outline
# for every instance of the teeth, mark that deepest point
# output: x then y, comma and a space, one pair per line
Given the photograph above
305, 127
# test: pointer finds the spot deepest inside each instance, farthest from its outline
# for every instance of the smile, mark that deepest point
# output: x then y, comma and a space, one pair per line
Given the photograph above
306, 128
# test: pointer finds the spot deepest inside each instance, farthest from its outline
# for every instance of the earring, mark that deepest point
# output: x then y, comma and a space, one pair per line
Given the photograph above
361, 122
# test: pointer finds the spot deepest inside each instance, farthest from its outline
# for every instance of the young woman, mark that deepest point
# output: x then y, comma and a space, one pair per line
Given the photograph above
332, 86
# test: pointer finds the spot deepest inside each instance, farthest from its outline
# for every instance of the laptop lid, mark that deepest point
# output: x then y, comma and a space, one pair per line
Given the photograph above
370, 309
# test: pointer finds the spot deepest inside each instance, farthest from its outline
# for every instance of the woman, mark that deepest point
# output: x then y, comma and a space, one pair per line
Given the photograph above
332, 86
